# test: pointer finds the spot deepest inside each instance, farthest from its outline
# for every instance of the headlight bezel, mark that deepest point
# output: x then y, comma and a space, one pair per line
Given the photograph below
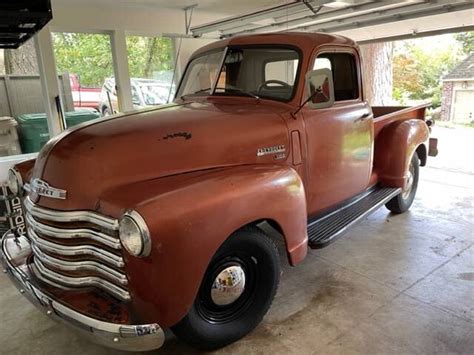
15, 175
144, 234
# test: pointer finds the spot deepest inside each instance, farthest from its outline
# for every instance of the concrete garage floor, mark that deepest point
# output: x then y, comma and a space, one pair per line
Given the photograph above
393, 284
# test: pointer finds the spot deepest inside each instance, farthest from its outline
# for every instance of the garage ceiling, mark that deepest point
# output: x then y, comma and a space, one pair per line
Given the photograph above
216, 6
339, 16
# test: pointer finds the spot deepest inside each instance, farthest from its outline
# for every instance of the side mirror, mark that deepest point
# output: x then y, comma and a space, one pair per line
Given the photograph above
320, 87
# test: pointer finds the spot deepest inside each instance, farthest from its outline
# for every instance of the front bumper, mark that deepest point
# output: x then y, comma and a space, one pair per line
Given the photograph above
118, 336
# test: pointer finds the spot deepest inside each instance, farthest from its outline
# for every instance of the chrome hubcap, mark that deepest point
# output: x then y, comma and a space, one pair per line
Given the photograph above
228, 286
409, 186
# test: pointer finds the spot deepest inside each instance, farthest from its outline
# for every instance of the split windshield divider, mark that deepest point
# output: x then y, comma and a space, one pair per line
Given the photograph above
216, 80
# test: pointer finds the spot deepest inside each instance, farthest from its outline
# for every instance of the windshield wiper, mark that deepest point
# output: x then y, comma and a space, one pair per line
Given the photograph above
196, 92
242, 91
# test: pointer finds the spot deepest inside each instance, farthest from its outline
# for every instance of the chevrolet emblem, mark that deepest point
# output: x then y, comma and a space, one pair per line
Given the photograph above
39, 187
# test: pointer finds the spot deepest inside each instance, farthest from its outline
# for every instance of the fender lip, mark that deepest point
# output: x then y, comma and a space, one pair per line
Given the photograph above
139, 337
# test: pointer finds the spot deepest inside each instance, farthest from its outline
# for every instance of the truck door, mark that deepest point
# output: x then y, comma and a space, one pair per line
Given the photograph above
339, 138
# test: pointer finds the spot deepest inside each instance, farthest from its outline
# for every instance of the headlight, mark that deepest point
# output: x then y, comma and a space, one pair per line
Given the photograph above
134, 234
14, 182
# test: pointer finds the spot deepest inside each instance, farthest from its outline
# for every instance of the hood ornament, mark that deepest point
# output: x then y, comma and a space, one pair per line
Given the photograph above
38, 188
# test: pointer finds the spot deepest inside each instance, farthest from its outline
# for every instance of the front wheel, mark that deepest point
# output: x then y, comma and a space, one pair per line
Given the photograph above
236, 292
402, 202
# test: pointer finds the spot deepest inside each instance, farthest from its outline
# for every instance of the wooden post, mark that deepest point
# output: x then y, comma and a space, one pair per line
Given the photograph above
49, 80
68, 101
121, 72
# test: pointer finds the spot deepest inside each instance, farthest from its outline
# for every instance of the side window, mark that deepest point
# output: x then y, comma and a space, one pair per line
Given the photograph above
283, 70
322, 63
344, 74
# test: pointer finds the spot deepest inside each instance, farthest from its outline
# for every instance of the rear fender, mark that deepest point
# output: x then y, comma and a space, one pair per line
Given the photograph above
394, 148
190, 221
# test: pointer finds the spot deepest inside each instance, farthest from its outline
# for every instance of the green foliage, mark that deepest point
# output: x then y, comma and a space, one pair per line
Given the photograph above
417, 74
89, 56
467, 41
147, 55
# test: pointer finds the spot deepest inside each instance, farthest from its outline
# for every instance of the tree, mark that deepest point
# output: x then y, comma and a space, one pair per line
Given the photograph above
417, 74
377, 72
89, 56
467, 41
21, 60
148, 55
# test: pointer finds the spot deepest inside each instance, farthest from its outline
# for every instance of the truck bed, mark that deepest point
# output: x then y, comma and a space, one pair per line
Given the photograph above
384, 115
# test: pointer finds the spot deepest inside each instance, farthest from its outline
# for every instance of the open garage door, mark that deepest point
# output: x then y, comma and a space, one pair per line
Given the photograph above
463, 108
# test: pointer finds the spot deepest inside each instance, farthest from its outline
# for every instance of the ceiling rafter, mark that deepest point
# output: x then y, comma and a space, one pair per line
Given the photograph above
331, 16
358, 9
384, 16
294, 7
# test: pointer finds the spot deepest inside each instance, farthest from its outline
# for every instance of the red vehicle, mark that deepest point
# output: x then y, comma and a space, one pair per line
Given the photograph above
84, 97
152, 219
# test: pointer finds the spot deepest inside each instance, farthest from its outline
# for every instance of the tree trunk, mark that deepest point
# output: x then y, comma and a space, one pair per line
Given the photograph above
21, 60
377, 73
152, 45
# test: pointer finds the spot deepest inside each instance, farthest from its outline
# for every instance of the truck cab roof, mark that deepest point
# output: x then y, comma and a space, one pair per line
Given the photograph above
302, 40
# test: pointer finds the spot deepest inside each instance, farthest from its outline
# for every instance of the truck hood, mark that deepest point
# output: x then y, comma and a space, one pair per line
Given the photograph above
106, 154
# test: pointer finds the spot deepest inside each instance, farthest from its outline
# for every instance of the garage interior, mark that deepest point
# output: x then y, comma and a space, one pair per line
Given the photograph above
393, 284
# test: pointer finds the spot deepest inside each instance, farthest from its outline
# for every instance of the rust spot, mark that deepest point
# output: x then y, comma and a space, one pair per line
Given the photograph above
185, 135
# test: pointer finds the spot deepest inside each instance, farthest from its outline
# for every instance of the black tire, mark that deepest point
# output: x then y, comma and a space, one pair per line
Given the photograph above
403, 201
105, 112
210, 326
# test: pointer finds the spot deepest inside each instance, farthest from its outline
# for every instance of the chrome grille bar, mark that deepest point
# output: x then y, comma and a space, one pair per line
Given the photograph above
91, 259
70, 216
88, 265
63, 233
70, 250
86, 281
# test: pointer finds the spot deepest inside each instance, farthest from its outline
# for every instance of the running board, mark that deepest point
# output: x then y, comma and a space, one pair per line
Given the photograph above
324, 230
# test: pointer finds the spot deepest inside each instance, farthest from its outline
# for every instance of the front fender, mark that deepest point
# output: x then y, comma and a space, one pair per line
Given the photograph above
394, 148
191, 215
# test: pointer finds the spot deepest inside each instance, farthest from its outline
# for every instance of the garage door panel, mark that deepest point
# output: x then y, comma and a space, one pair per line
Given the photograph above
463, 108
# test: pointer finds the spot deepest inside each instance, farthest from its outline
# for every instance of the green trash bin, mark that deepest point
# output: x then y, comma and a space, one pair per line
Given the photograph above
33, 131
79, 116
33, 127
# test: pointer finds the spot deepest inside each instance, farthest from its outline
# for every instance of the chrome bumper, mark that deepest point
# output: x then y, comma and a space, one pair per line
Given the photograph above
118, 336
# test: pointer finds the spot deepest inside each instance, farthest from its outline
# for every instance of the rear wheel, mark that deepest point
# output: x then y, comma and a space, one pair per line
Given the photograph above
236, 292
402, 202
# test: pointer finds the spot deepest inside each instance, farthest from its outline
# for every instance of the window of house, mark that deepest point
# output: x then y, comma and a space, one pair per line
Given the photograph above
344, 74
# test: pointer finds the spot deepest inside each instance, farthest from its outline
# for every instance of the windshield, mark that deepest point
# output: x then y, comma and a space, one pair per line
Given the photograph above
201, 73
267, 72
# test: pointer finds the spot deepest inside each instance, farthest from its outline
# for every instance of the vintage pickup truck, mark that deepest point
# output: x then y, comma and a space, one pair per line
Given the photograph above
149, 220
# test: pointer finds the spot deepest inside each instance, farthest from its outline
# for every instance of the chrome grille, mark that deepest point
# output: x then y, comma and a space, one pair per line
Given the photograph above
76, 249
